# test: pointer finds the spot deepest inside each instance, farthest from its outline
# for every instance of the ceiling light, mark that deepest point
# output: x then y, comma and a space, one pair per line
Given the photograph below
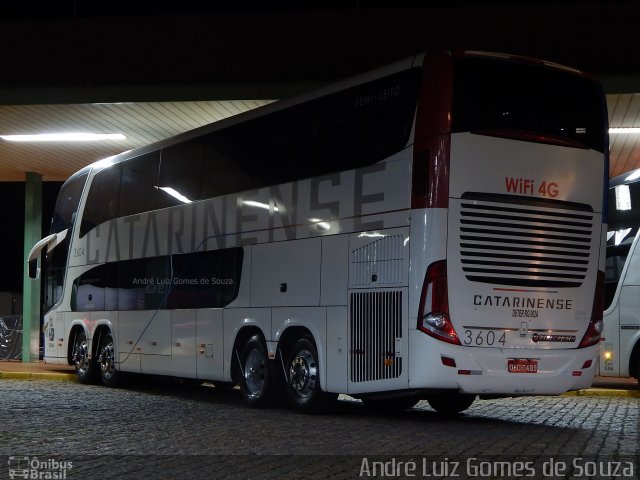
624, 130
64, 137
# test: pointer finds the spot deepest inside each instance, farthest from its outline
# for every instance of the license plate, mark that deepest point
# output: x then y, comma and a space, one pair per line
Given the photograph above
522, 365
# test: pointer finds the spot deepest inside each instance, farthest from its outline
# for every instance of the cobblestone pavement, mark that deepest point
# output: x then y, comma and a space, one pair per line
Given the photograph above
181, 431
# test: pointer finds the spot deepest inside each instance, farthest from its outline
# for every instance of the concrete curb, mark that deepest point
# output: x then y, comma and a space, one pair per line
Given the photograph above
62, 377
603, 392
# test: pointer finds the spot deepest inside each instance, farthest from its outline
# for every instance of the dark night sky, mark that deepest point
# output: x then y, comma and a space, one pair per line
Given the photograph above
12, 194
57, 9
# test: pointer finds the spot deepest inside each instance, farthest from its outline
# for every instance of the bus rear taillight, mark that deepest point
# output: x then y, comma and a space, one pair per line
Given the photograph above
592, 336
433, 312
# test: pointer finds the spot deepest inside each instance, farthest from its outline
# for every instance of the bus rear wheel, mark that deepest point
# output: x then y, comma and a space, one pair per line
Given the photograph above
106, 361
303, 380
451, 403
260, 382
85, 367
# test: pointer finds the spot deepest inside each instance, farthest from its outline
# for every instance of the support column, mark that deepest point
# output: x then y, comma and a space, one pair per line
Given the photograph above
31, 287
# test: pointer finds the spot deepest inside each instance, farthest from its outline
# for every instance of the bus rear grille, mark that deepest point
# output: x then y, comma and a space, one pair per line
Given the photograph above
524, 242
380, 260
376, 325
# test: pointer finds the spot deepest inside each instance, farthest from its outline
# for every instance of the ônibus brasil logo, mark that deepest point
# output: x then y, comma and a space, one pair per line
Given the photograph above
34, 468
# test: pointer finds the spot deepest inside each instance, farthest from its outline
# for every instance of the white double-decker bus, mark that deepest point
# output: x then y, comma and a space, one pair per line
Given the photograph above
429, 230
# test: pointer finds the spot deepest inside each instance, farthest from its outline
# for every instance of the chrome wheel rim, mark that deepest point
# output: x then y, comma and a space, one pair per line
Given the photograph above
254, 372
106, 361
303, 373
81, 356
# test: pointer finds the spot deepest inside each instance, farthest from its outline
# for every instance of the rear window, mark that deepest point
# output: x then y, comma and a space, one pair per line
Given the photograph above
497, 95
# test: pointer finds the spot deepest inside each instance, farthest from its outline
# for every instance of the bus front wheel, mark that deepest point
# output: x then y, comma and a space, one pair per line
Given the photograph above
85, 367
451, 403
259, 383
303, 380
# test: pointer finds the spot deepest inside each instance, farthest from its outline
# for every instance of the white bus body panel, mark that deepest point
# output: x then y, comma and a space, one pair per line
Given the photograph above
183, 343
334, 275
337, 349
629, 326
611, 343
483, 370
480, 163
495, 166
286, 273
209, 344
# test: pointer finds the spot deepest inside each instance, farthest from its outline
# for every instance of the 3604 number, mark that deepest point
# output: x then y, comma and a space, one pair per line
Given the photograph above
481, 338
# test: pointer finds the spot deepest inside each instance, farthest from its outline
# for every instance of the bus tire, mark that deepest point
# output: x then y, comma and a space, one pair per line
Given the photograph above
260, 382
303, 379
397, 404
451, 403
84, 365
107, 361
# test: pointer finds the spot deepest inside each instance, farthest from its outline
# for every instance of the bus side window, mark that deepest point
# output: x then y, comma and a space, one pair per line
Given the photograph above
96, 289
139, 191
222, 172
103, 200
208, 279
181, 174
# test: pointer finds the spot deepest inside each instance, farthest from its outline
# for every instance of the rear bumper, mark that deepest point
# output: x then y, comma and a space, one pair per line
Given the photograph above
484, 370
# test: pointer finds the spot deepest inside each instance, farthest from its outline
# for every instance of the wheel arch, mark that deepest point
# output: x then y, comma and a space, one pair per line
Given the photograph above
73, 332
97, 335
244, 334
634, 360
294, 332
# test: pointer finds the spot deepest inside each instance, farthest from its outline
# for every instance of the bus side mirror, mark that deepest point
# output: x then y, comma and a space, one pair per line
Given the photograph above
33, 268
47, 243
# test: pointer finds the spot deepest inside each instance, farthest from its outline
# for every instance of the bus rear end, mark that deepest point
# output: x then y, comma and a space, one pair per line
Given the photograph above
511, 302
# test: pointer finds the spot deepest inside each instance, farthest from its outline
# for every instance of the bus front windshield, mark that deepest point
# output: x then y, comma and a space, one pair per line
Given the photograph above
64, 216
